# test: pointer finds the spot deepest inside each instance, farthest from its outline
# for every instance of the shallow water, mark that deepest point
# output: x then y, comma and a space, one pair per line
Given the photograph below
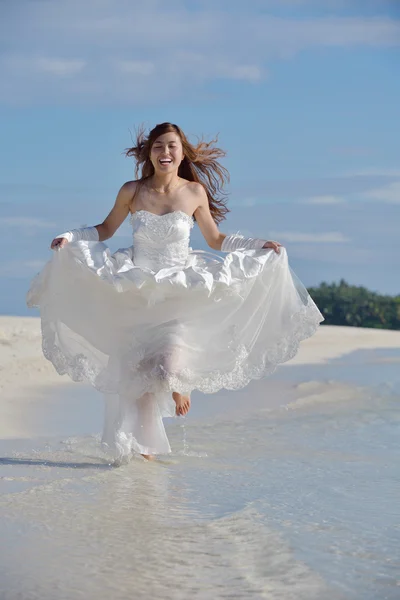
287, 502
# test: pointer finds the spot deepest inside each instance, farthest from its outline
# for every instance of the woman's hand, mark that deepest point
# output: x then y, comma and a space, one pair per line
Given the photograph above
58, 243
276, 246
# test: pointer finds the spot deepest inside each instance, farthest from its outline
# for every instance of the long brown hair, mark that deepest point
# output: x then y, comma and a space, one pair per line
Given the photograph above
200, 164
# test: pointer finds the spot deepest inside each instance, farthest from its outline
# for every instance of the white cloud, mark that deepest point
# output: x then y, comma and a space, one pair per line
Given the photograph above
353, 151
101, 50
249, 201
34, 264
25, 222
337, 189
296, 237
388, 193
52, 66
377, 172
59, 67
244, 72
136, 67
384, 184
19, 269
324, 200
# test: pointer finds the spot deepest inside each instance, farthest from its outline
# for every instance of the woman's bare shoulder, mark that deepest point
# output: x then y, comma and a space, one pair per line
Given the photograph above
129, 190
197, 192
130, 186
195, 189
194, 186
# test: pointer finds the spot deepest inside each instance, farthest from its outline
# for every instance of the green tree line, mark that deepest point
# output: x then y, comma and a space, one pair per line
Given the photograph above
344, 304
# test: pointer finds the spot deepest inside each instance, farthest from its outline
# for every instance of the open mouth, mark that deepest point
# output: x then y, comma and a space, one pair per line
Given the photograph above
165, 161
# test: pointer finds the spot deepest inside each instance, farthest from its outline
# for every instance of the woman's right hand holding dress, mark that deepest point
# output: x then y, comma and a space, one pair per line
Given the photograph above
58, 243
88, 234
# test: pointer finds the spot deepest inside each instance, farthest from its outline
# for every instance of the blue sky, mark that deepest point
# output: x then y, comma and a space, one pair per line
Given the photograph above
305, 96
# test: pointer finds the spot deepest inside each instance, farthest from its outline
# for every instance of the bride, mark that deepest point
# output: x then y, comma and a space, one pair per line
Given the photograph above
148, 324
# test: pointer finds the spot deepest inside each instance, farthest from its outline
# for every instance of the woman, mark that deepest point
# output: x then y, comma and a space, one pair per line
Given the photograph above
152, 322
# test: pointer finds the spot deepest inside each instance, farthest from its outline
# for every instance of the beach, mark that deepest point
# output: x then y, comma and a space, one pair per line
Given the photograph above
286, 489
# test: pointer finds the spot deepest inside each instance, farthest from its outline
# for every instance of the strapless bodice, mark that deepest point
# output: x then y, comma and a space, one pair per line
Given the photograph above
160, 241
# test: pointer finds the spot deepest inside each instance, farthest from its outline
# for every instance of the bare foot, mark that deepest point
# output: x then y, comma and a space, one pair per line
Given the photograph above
182, 404
148, 456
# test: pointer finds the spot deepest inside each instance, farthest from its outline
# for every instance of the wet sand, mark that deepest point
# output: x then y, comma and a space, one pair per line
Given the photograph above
284, 490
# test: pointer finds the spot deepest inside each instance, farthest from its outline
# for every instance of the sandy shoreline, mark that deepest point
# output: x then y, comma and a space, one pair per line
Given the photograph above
265, 502
25, 373
331, 342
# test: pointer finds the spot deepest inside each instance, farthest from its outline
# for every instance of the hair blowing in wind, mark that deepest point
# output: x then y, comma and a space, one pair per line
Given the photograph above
200, 164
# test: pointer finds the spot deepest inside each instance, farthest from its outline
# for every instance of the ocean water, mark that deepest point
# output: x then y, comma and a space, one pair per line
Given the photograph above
286, 490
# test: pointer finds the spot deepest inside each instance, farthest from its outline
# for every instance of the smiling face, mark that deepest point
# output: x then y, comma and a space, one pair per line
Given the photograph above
166, 153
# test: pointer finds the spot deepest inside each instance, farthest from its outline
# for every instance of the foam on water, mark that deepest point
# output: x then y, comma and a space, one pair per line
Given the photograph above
137, 530
292, 502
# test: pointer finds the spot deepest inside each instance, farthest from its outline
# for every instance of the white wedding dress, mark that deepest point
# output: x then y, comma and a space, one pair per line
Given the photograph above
158, 317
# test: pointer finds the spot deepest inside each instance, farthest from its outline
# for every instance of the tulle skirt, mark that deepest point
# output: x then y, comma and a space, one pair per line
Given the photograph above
137, 335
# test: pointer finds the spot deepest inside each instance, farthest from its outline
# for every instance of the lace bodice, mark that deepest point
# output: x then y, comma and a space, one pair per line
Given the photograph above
160, 241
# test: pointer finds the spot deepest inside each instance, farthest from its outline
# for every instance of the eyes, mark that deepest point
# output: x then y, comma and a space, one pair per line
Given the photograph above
159, 146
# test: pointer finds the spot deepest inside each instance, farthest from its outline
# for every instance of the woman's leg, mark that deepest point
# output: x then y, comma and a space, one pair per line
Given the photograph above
182, 403
141, 428
173, 361
149, 431
166, 361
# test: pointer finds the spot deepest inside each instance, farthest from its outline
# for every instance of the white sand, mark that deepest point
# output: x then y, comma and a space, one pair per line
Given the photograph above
333, 341
22, 364
24, 372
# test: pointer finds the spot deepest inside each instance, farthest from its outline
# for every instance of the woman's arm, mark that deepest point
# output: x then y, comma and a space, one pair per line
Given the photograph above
206, 223
118, 213
108, 227
220, 241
